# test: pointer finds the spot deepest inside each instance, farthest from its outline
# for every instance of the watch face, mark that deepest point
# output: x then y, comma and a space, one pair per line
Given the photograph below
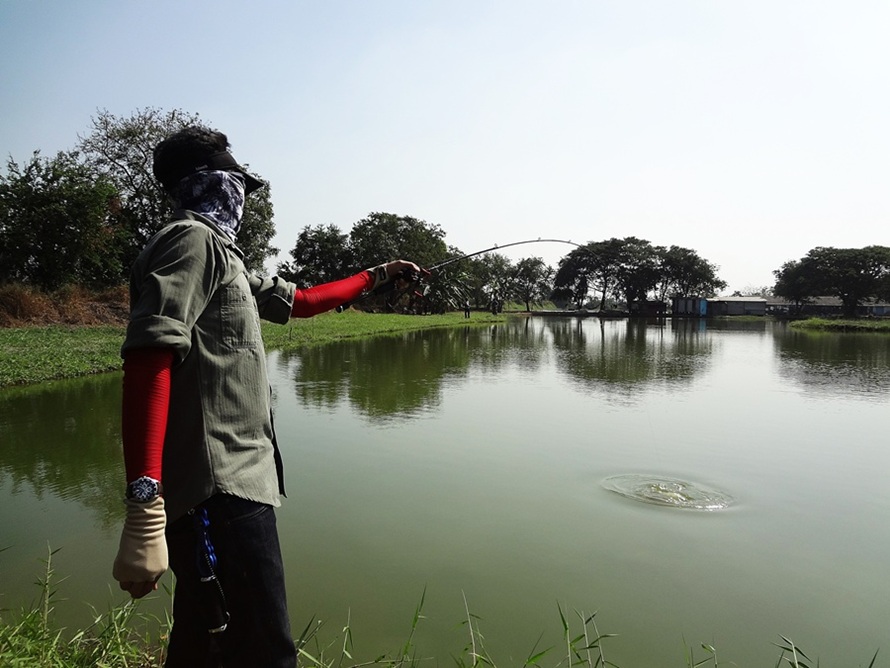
143, 489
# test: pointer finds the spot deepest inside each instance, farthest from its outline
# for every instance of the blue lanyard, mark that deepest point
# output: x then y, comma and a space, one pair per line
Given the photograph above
206, 556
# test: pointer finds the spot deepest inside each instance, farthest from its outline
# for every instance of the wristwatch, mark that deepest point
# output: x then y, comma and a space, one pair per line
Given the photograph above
144, 489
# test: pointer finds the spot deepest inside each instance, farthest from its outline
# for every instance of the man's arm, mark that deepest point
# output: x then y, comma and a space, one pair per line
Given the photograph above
328, 296
142, 556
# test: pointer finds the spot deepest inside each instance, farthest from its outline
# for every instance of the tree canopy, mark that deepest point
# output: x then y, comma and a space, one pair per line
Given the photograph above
121, 149
60, 223
633, 270
854, 275
381, 237
320, 255
531, 281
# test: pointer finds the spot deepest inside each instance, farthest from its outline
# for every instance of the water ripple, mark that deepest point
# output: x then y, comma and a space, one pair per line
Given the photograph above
667, 492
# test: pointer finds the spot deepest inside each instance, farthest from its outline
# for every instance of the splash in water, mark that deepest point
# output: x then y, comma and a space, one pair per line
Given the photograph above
667, 492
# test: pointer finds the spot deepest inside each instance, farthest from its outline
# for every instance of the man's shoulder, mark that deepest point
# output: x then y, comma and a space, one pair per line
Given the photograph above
181, 225
181, 231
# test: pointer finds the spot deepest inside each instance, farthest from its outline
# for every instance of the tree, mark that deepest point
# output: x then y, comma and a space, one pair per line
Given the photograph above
572, 276
59, 224
637, 270
120, 148
532, 280
593, 267
853, 275
682, 273
488, 277
320, 255
757, 291
798, 281
382, 237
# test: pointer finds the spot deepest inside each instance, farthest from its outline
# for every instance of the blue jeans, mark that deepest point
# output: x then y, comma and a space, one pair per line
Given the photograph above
249, 568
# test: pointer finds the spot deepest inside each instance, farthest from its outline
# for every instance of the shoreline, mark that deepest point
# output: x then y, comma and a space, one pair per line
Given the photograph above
38, 353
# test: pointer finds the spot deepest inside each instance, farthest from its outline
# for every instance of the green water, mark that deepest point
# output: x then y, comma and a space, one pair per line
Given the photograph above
470, 462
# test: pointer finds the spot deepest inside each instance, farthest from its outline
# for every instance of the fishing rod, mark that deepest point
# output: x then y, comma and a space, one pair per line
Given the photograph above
412, 277
497, 247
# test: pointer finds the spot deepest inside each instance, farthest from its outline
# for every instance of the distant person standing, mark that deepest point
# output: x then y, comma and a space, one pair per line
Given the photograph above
467, 309
196, 415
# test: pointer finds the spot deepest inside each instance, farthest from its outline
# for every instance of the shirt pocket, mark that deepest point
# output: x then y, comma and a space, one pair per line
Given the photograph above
238, 316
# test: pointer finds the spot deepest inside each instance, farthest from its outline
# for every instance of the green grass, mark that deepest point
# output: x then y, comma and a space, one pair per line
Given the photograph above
838, 325
351, 324
37, 354
30, 638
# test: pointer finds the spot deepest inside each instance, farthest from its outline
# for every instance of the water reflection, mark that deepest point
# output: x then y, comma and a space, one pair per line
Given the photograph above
619, 358
402, 376
62, 439
852, 365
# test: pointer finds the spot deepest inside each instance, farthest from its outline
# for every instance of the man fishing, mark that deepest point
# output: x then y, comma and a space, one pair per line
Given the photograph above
203, 468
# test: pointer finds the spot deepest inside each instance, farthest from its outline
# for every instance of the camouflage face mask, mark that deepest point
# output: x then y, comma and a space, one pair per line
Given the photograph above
218, 195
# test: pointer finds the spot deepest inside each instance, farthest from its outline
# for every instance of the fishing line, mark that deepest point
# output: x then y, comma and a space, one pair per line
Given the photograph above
499, 247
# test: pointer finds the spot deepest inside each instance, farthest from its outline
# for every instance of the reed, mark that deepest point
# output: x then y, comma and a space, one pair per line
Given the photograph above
113, 640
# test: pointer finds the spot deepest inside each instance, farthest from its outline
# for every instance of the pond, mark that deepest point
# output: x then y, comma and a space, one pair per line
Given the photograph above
689, 481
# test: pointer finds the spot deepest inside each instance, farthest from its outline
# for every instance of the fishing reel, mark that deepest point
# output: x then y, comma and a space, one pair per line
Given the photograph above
402, 281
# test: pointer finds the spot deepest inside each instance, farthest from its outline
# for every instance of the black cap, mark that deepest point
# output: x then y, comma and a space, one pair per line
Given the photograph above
171, 174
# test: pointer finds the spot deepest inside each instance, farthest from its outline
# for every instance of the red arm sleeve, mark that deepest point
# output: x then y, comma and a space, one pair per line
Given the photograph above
146, 401
327, 296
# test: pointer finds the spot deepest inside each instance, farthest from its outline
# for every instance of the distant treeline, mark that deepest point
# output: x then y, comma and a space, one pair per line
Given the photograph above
82, 216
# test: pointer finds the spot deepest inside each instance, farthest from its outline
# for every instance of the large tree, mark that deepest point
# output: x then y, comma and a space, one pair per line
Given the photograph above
121, 149
60, 224
683, 273
592, 267
853, 275
321, 254
798, 281
382, 237
532, 281
487, 277
632, 270
638, 270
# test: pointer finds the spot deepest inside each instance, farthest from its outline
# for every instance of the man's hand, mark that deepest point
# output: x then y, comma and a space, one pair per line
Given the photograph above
385, 273
142, 556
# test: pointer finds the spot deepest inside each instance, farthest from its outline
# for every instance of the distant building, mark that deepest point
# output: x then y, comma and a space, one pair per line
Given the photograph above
699, 307
648, 307
824, 306
690, 306
817, 306
737, 306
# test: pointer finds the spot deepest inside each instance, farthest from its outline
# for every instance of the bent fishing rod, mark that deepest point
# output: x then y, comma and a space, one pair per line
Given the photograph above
406, 274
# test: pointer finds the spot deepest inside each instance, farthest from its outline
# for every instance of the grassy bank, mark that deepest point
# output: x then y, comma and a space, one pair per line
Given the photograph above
117, 639
34, 354
833, 325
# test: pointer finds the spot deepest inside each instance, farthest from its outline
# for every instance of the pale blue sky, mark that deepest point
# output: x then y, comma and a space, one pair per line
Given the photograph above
750, 131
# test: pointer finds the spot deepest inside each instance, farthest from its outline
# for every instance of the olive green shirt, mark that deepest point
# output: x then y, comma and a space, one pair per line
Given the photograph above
189, 291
